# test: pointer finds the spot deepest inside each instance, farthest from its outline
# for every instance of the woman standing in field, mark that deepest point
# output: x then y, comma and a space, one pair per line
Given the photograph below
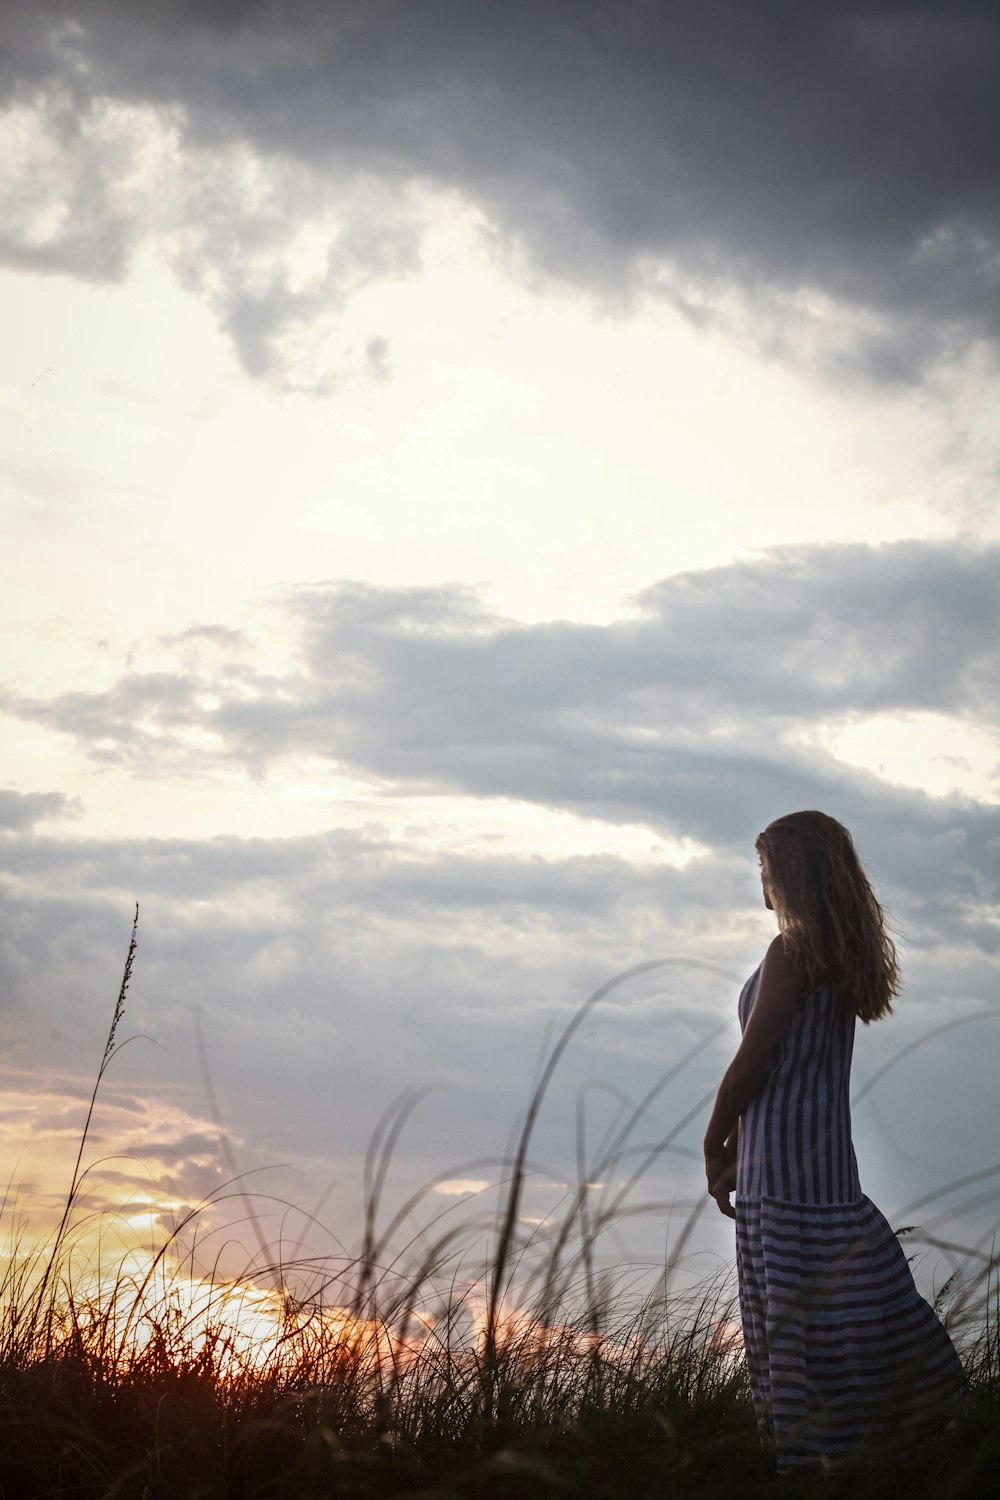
839, 1343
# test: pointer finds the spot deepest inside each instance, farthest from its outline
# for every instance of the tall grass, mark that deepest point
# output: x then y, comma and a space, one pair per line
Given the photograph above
416, 1373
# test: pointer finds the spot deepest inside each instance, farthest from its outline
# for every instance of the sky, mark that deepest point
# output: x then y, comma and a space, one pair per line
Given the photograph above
464, 471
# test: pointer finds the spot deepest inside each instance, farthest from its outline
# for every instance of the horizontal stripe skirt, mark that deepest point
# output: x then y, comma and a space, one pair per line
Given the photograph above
840, 1346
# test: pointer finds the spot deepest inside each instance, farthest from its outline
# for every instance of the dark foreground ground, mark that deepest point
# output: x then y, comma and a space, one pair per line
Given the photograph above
67, 1430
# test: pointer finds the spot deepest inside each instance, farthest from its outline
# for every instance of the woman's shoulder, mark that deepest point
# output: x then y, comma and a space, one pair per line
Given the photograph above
788, 967
781, 960
785, 967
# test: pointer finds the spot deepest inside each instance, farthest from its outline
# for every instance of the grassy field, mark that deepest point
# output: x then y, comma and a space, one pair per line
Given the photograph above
134, 1377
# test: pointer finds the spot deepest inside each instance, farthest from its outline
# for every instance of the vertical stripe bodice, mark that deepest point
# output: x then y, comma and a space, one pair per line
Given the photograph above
795, 1136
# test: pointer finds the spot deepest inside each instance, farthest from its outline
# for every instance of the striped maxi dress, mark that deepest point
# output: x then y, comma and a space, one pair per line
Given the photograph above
839, 1343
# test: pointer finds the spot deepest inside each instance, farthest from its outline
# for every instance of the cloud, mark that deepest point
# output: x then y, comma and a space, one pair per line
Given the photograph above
277, 250
22, 810
701, 715
334, 971
194, 1146
820, 178
426, 688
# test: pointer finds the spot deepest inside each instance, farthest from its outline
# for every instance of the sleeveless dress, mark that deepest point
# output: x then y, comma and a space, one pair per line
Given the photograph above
839, 1343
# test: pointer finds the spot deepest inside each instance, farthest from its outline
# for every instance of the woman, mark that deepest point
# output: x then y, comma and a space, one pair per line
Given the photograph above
839, 1344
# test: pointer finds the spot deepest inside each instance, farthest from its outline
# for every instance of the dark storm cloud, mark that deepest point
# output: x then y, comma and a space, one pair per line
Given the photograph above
704, 146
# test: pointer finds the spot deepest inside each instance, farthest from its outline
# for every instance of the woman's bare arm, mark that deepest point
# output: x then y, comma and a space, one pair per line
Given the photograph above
778, 992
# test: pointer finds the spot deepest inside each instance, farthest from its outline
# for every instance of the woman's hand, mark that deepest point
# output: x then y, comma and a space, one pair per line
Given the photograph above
720, 1171
721, 1187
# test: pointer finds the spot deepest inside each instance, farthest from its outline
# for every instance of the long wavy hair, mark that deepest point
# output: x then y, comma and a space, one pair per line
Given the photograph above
827, 911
